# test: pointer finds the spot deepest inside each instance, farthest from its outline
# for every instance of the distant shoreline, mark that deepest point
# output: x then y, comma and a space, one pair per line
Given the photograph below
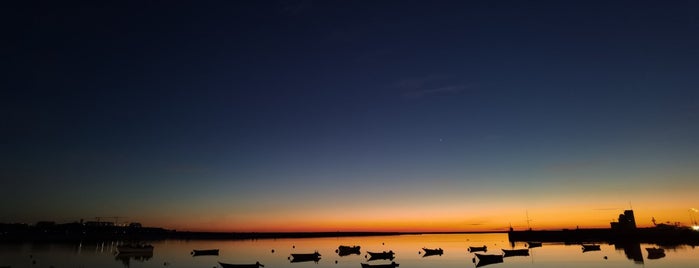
282, 235
78, 232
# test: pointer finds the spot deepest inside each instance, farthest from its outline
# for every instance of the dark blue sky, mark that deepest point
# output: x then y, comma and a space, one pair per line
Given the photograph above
169, 104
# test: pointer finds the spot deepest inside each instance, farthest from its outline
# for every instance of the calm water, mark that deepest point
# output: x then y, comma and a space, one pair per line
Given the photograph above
176, 253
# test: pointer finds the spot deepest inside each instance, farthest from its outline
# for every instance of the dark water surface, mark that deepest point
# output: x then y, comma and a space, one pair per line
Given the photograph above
408, 248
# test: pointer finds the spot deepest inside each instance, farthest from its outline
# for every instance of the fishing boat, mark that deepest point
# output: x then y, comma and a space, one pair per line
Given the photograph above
381, 255
476, 249
347, 250
590, 247
202, 252
485, 259
533, 244
655, 253
229, 265
125, 249
390, 265
516, 252
432, 251
302, 257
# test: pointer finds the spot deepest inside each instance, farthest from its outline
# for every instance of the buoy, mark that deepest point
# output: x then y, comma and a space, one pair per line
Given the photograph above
335, 261
272, 250
605, 257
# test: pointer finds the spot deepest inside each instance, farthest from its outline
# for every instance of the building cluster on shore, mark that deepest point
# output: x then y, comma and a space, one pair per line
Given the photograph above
624, 229
48, 230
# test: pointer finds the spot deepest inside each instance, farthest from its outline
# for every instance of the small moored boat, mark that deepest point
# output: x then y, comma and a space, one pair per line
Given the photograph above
390, 265
655, 253
347, 250
202, 252
531, 244
485, 259
516, 252
381, 255
432, 251
302, 257
230, 265
477, 249
590, 247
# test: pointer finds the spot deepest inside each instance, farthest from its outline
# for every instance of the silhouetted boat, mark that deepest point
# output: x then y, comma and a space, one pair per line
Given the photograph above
229, 265
485, 259
655, 253
347, 250
381, 255
202, 252
431, 252
533, 244
302, 257
516, 252
134, 249
477, 249
390, 265
590, 247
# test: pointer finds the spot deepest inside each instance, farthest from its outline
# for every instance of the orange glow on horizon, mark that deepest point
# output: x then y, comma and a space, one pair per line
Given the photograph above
540, 220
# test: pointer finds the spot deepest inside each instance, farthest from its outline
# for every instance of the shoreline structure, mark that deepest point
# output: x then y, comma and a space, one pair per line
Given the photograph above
623, 230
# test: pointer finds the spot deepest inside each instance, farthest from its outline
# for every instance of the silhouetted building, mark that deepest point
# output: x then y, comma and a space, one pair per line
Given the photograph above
135, 225
98, 224
627, 221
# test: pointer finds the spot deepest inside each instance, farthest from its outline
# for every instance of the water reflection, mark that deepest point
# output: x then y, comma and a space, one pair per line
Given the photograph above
631, 250
408, 251
126, 258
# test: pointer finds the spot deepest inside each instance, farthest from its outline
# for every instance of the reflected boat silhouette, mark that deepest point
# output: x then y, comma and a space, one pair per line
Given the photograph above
432, 252
486, 259
531, 244
655, 253
304, 257
477, 249
347, 250
516, 252
590, 247
381, 255
126, 257
203, 252
230, 265
390, 265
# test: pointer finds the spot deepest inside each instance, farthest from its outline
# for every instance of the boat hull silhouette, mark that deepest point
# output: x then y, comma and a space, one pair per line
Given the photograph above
304, 257
516, 252
533, 244
347, 250
478, 249
230, 265
486, 259
381, 255
203, 252
390, 265
590, 247
655, 253
432, 252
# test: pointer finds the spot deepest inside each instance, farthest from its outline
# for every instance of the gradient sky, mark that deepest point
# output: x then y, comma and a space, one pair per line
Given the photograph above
351, 115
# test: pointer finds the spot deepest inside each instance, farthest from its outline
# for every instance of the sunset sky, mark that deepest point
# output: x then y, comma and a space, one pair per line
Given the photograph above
351, 115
